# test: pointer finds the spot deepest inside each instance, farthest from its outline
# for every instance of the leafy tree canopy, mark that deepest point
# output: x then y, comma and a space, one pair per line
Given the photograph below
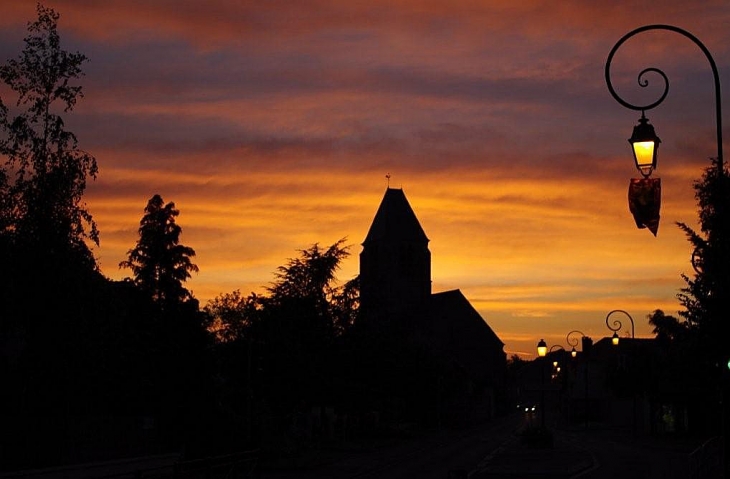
44, 177
232, 315
667, 328
306, 285
706, 298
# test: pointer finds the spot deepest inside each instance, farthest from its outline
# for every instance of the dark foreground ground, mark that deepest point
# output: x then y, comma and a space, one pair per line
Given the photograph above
489, 451
496, 450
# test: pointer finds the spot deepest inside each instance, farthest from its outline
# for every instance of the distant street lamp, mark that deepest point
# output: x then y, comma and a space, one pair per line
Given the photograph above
573, 342
541, 348
555, 361
541, 352
645, 193
617, 325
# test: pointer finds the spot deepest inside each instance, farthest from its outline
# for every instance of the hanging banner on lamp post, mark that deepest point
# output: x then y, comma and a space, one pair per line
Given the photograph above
645, 198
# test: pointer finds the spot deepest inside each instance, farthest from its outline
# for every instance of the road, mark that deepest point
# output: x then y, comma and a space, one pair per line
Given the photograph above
435, 456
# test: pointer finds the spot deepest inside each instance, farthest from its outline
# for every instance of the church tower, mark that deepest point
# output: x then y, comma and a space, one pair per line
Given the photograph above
395, 263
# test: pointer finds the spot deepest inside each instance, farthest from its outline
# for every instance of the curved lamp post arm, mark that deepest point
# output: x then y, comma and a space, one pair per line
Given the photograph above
643, 82
617, 325
573, 341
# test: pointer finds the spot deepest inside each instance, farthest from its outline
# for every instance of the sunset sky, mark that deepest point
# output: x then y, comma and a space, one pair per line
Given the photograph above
272, 126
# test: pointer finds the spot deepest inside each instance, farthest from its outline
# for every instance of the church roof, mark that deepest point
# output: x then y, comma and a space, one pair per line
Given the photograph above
395, 220
459, 331
452, 311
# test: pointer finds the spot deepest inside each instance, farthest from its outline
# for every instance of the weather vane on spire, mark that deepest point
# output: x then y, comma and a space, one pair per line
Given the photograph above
387, 177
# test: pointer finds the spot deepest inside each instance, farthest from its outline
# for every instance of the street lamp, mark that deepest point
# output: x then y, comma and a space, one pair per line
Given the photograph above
654, 196
541, 352
614, 340
645, 194
644, 144
541, 348
617, 325
573, 342
556, 346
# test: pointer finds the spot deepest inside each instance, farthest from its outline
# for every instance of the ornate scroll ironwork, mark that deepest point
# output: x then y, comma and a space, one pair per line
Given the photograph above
573, 341
617, 325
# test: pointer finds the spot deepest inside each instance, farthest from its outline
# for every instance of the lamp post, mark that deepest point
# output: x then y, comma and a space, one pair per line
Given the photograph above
541, 353
644, 194
556, 363
574, 342
617, 325
719, 164
615, 340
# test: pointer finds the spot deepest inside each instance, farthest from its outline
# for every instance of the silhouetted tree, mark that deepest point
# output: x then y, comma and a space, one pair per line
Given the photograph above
515, 363
706, 298
159, 262
277, 352
311, 275
50, 283
231, 315
311, 279
345, 306
74, 346
667, 328
45, 176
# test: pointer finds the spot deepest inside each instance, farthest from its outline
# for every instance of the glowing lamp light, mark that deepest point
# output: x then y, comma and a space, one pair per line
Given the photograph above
555, 364
573, 352
645, 144
542, 348
614, 339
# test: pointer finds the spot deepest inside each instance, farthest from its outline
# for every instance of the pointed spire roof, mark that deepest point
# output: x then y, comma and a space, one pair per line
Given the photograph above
395, 220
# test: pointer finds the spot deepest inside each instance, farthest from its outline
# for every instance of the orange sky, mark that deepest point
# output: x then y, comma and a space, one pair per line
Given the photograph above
272, 125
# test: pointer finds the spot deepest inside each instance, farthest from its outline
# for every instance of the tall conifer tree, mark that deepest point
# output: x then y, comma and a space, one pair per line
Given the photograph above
159, 262
706, 298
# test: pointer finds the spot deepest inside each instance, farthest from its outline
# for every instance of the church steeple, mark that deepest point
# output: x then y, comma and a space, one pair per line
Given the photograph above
395, 263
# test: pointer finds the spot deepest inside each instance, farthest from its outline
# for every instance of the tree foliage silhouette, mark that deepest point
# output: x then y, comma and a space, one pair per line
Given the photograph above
50, 286
706, 298
231, 316
311, 277
287, 339
45, 175
667, 328
159, 262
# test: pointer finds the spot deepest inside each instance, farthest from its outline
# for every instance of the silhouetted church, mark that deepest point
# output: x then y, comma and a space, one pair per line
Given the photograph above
395, 285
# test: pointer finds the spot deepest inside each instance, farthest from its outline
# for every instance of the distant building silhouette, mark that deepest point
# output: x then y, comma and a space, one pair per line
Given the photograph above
395, 286
639, 385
